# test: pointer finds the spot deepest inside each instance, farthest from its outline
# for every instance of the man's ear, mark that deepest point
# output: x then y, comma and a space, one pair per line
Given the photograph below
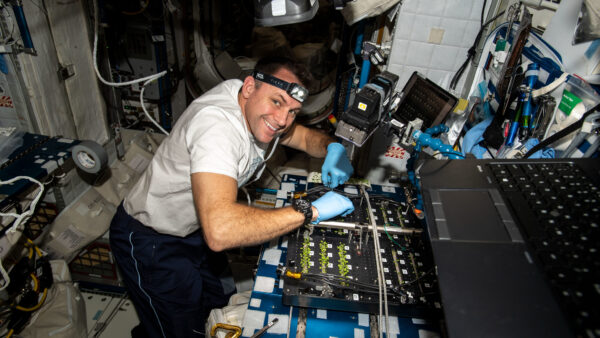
248, 86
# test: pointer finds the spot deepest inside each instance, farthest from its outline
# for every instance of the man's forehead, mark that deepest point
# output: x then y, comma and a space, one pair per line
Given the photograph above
271, 90
280, 93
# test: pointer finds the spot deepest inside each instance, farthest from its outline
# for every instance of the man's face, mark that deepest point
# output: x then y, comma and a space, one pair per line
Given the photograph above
269, 110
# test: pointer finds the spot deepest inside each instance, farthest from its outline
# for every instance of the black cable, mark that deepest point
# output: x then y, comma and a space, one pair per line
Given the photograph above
174, 42
321, 188
352, 196
418, 278
361, 289
482, 12
364, 287
471, 52
211, 42
562, 133
384, 198
217, 69
451, 153
210, 29
340, 278
271, 173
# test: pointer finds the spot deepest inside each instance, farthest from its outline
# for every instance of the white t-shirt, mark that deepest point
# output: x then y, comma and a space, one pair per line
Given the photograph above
210, 136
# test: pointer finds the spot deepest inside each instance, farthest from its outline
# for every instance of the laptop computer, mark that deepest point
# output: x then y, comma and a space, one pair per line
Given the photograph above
492, 243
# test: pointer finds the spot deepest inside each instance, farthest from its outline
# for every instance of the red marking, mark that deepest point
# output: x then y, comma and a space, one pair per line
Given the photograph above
5, 101
395, 152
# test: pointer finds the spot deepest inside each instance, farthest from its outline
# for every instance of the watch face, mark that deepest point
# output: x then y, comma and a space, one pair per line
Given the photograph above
304, 207
302, 204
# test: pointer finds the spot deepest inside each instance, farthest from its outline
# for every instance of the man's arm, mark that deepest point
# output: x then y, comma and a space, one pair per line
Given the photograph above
311, 141
227, 224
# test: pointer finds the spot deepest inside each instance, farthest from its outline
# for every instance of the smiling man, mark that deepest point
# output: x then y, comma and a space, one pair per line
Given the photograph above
183, 212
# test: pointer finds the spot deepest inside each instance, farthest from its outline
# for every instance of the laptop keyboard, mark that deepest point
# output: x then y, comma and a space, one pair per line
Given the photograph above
559, 211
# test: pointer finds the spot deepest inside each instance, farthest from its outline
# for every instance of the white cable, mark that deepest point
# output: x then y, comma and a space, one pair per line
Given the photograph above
247, 195
272, 149
557, 82
146, 79
540, 4
264, 162
379, 265
146, 111
115, 84
289, 322
19, 218
4, 276
12, 30
383, 283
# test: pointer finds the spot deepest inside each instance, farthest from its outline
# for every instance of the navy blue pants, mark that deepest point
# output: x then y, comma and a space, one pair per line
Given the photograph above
172, 281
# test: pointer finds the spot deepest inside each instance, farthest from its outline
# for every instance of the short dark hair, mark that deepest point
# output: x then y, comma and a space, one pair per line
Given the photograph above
271, 64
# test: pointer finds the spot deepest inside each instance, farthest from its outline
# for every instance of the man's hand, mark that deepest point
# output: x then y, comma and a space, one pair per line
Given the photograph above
331, 205
337, 168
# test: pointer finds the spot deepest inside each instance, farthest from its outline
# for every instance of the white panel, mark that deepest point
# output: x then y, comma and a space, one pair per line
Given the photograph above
454, 9
441, 77
272, 256
280, 326
363, 319
255, 302
253, 320
44, 90
475, 8
73, 107
471, 31
322, 314
431, 7
71, 34
410, 6
427, 21
444, 57
264, 284
404, 26
400, 51
419, 321
457, 20
455, 36
424, 50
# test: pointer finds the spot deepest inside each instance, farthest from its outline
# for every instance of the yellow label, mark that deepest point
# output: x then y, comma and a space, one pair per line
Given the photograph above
362, 106
461, 105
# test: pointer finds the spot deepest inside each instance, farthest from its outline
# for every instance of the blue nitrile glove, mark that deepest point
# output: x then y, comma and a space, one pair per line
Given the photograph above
542, 153
331, 205
337, 168
472, 138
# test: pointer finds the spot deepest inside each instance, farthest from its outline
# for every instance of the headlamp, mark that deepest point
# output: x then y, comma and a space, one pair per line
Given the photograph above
296, 91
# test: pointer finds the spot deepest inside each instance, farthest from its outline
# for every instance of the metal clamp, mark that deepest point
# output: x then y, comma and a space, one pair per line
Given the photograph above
233, 330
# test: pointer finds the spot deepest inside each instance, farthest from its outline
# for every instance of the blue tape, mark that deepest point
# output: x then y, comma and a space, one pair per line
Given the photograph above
3, 65
591, 50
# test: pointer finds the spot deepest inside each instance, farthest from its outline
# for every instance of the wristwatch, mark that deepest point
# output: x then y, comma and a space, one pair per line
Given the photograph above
305, 207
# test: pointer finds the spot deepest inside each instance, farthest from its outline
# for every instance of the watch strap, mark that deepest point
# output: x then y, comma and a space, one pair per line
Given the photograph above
305, 207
